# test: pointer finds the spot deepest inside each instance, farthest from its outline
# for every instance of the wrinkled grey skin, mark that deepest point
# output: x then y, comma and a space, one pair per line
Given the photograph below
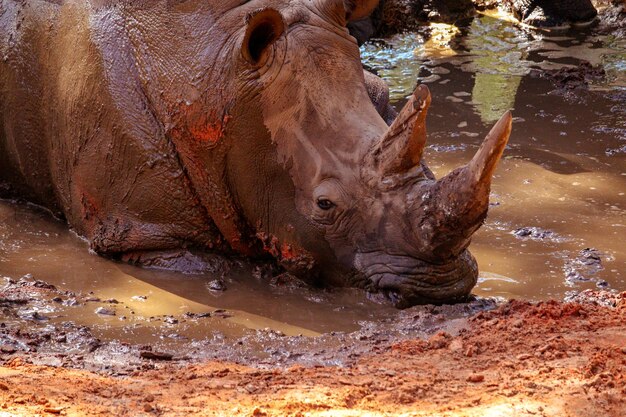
159, 128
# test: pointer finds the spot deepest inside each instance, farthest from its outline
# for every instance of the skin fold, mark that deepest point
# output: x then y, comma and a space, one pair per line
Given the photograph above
244, 127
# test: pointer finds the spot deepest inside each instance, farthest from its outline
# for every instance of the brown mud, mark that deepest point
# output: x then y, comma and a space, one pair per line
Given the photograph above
522, 359
37, 326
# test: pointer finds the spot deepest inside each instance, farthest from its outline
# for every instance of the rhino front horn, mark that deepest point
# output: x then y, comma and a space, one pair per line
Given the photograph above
402, 146
484, 162
461, 198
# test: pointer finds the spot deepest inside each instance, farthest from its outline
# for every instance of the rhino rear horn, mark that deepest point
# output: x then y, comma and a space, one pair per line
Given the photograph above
402, 146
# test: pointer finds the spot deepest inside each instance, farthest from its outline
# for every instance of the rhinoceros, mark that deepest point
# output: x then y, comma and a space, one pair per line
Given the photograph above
163, 128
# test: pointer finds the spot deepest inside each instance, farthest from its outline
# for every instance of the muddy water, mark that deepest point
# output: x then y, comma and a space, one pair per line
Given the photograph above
34, 246
562, 183
557, 222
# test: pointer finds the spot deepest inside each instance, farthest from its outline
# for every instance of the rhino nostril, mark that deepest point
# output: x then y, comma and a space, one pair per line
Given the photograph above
394, 297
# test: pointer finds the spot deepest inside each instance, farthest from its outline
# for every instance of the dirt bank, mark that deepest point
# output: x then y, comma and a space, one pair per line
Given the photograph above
522, 359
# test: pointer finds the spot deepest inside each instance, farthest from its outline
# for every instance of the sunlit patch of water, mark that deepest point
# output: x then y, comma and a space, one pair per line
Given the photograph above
563, 171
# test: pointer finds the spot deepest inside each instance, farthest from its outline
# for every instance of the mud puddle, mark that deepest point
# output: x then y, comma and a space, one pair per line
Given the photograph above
82, 328
556, 226
54, 279
61, 305
557, 223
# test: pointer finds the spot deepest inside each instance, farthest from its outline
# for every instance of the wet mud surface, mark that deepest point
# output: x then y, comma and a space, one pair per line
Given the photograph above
523, 359
82, 335
34, 328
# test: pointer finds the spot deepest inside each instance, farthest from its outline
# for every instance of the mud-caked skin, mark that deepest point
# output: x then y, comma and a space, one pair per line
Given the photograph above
232, 127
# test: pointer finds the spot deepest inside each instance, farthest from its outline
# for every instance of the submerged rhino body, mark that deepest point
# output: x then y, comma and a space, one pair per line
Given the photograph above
240, 127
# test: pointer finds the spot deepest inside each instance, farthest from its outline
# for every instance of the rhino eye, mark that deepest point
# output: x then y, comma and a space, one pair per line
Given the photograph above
325, 204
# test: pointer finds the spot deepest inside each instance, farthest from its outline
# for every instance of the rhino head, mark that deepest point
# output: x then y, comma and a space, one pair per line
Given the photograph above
266, 105
332, 190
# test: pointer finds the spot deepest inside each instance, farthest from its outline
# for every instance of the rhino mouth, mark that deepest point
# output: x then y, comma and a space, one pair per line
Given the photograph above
408, 281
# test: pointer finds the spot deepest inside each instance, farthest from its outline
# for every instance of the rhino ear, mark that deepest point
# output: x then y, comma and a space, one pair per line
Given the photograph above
358, 9
263, 28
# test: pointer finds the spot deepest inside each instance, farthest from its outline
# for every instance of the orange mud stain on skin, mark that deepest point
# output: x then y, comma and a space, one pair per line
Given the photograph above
287, 252
196, 136
271, 244
88, 204
209, 132
279, 250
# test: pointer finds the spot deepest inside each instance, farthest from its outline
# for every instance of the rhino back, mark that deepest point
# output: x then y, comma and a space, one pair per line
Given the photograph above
80, 133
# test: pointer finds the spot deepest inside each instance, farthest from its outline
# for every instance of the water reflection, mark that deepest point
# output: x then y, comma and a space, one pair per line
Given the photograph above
565, 168
32, 244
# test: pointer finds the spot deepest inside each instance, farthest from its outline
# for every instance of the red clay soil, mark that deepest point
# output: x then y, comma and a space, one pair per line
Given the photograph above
547, 359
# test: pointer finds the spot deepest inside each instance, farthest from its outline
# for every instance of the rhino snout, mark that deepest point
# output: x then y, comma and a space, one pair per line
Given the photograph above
408, 281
